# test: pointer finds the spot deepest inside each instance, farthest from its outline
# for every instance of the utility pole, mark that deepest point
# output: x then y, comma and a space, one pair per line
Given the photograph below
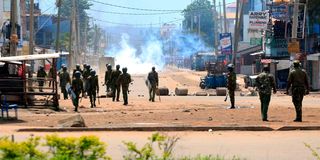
79, 49
215, 26
220, 17
31, 27
226, 29
295, 19
75, 53
58, 27
237, 28
13, 22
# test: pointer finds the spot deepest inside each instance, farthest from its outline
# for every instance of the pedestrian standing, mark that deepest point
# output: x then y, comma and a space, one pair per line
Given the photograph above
64, 79
298, 81
231, 84
41, 75
153, 83
85, 76
115, 86
265, 83
125, 80
107, 78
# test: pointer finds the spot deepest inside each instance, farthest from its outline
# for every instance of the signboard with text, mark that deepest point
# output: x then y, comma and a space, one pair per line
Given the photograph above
226, 43
258, 20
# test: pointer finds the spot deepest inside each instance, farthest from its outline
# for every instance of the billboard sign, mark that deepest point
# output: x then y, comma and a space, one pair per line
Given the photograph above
258, 20
226, 43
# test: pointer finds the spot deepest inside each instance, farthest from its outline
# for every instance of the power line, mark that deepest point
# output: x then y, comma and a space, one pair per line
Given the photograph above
134, 14
150, 10
126, 24
132, 8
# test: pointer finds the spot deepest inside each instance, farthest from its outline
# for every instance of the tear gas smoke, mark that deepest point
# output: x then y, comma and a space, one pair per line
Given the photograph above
152, 51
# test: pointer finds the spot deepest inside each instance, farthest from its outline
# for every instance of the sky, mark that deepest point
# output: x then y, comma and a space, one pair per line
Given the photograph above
48, 6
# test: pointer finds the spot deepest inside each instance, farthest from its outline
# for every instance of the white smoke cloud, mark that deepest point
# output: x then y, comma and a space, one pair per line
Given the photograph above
127, 56
140, 59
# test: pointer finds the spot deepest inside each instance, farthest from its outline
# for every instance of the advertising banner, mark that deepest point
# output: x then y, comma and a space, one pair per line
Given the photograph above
226, 43
258, 20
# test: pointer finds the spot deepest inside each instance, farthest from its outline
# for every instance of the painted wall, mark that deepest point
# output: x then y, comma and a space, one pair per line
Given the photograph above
316, 75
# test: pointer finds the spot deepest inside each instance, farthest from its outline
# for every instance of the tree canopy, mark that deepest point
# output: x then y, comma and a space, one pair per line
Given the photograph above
200, 9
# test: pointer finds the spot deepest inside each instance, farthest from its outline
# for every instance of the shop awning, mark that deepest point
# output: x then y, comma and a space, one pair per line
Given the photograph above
313, 57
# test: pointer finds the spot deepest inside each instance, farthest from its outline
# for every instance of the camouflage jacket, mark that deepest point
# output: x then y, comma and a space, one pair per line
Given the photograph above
41, 73
86, 74
107, 77
153, 78
93, 83
125, 79
231, 81
64, 78
77, 86
115, 76
265, 83
298, 78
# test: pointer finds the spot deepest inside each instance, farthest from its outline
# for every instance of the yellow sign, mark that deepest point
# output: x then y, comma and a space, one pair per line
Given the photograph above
294, 47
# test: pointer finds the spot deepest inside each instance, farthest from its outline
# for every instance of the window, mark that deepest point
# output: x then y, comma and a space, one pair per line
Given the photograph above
6, 5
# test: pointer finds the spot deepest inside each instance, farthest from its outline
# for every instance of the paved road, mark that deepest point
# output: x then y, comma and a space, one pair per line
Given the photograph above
249, 145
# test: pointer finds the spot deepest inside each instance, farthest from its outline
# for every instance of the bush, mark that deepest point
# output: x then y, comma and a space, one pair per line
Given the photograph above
147, 152
209, 157
69, 148
314, 151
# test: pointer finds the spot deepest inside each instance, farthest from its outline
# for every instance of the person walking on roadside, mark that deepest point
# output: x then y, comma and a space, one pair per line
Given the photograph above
265, 83
77, 88
231, 84
41, 75
125, 80
153, 83
298, 81
93, 88
64, 79
77, 69
85, 76
115, 86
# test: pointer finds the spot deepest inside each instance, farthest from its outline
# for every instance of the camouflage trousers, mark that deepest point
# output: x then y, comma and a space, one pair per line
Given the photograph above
152, 92
115, 92
125, 90
297, 98
92, 95
264, 100
231, 95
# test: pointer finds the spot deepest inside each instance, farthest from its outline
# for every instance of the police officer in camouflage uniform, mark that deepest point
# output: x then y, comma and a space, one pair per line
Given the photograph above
85, 76
298, 81
125, 80
64, 79
93, 88
107, 77
77, 69
154, 82
41, 74
77, 87
115, 86
265, 83
231, 84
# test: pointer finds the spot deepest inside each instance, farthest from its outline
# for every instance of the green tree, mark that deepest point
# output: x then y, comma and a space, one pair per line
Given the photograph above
200, 9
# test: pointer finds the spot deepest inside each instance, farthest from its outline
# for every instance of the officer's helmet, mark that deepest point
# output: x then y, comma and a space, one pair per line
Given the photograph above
77, 66
230, 67
109, 67
85, 65
124, 70
77, 74
41, 67
296, 63
64, 68
93, 73
153, 68
118, 66
88, 66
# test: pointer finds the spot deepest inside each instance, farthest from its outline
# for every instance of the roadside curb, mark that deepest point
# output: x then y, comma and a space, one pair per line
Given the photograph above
179, 128
304, 128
